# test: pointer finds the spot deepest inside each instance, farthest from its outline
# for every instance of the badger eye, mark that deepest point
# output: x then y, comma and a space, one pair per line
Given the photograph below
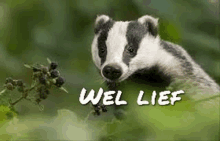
102, 51
130, 49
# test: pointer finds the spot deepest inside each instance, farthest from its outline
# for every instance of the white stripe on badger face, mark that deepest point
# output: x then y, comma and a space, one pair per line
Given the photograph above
116, 42
95, 52
147, 55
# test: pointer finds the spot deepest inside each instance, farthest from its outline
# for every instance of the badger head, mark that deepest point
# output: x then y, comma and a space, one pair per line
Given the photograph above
120, 48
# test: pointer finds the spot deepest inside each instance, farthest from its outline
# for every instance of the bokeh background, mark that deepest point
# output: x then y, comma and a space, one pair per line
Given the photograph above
62, 30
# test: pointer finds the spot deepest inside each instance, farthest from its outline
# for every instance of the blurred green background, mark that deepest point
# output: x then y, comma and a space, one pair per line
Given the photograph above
62, 30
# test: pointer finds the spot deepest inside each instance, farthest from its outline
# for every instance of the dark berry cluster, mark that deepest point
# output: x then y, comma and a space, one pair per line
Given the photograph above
42, 92
45, 74
11, 84
44, 77
99, 108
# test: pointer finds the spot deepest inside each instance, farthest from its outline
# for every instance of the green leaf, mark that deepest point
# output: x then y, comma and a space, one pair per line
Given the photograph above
63, 89
3, 91
48, 60
5, 114
27, 66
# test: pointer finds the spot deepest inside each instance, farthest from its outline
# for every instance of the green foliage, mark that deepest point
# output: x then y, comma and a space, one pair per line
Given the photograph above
169, 31
6, 114
32, 30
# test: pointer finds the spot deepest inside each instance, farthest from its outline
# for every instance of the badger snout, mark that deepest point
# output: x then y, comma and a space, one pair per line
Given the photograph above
112, 72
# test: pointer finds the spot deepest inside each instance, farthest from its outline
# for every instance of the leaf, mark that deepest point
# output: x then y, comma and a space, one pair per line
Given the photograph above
48, 60
5, 114
3, 91
33, 83
63, 89
27, 66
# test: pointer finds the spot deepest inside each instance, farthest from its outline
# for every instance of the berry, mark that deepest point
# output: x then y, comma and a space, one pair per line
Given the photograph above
35, 69
97, 108
43, 92
35, 75
43, 95
44, 70
10, 86
59, 81
42, 79
54, 73
38, 100
53, 66
14, 82
97, 105
43, 89
20, 83
20, 89
8, 80
104, 108
97, 111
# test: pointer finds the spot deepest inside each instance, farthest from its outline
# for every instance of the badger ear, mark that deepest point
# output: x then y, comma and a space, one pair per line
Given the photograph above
100, 22
151, 24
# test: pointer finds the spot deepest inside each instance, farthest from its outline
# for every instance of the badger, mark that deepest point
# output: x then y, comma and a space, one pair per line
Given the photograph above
133, 51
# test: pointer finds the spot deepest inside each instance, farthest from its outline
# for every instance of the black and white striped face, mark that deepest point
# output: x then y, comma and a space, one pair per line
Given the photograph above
120, 48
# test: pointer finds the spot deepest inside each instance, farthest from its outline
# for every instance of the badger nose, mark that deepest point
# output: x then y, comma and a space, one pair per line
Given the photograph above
112, 72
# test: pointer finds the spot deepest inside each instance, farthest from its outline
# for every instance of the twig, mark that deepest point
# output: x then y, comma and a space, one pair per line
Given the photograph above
87, 117
25, 94
12, 104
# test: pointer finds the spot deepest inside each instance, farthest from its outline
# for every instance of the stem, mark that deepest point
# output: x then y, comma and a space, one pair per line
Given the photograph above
24, 95
28, 90
87, 117
12, 104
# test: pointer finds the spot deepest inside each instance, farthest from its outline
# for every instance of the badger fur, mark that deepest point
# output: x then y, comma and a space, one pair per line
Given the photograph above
133, 51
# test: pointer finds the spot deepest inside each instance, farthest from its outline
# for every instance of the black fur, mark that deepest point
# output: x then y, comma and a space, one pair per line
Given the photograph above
151, 28
104, 27
134, 35
99, 26
152, 76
